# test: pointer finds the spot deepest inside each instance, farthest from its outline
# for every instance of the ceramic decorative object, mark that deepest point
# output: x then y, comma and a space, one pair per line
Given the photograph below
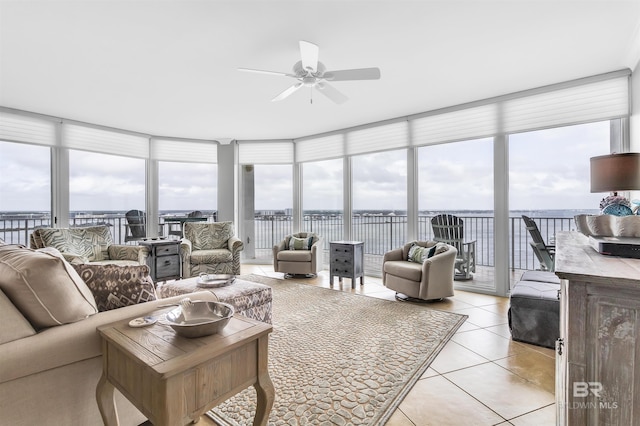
608, 225
200, 318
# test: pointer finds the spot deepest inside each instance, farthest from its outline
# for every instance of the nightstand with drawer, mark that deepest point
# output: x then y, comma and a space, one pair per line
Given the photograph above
163, 259
346, 260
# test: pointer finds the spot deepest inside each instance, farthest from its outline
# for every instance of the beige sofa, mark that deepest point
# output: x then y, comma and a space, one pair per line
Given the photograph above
424, 273
89, 244
49, 373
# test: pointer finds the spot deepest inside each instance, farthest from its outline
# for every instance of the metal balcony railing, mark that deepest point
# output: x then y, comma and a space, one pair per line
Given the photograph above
380, 233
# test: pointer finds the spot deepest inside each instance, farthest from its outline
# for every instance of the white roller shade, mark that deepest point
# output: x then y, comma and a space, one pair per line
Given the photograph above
265, 152
378, 138
22, 128
464, 124
321, 148
105, 141
184, 151
600, 100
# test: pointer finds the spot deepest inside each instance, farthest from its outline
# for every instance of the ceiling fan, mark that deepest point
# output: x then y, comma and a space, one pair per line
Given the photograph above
312, 73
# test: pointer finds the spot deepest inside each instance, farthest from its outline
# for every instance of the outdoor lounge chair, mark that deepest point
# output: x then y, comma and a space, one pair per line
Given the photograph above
449, 229
544, 253
136, 226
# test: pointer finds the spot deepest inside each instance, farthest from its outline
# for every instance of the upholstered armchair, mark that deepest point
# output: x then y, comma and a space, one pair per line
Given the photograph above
211, 248
298, 254
90, 244
420, 270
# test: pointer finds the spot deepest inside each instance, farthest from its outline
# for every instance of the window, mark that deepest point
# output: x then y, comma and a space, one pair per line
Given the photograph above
322, 208
103, 187
380, 202
549, 181
457, 179
268, 208
186, 187
25, 190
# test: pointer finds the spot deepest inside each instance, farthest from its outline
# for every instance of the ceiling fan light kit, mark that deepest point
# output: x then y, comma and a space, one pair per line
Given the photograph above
310, 72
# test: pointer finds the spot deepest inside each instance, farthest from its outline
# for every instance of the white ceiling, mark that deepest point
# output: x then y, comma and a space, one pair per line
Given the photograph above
170, 67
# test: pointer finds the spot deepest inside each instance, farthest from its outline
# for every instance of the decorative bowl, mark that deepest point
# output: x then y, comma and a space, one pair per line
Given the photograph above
606, 225
200, 318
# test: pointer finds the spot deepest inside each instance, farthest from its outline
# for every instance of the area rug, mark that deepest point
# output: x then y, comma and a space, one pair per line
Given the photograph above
341, 358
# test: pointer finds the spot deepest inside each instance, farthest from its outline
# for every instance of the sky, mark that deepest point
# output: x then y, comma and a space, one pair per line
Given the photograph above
549, 169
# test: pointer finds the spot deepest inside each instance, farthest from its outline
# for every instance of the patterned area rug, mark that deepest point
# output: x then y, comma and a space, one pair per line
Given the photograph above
337, 358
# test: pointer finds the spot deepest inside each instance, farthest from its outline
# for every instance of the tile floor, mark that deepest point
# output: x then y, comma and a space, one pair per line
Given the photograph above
481, 377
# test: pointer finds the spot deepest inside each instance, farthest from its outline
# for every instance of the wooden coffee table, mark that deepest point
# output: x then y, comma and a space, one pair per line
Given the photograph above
173, 380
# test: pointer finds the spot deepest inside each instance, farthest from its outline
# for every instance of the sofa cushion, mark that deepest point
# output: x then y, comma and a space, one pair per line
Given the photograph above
14, 324
296, 243
115, 286
44, 287
294, 256
401, 268
90, 243
202, 257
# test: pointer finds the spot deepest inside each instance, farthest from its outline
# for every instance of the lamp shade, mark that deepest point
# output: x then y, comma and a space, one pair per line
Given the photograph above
615, 172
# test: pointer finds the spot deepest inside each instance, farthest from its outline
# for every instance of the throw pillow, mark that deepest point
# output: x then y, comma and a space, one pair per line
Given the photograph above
116, 286
437, 249
44, 287
417, 253
296, 243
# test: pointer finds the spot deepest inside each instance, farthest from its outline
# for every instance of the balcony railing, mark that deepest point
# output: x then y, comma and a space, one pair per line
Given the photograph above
380, 233
384, 233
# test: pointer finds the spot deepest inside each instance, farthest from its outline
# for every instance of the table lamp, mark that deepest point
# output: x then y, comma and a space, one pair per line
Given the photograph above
613, 173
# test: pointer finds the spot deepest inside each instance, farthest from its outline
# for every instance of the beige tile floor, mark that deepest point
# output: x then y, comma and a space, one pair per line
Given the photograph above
481, 377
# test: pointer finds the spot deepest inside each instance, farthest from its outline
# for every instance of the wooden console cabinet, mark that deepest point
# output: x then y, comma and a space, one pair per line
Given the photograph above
598, 353
163, 259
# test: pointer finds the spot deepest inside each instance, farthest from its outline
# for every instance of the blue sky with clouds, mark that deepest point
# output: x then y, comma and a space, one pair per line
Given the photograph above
549, 169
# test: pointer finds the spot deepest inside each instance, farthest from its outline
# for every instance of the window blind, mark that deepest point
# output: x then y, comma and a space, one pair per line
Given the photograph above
600, 100
265, 152
26, 129
464, 124
185, 151
378, 138
321, 148
105, 141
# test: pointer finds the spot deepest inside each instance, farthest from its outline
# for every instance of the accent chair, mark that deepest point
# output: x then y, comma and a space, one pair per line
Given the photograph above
298, 254
420, 270
211, 248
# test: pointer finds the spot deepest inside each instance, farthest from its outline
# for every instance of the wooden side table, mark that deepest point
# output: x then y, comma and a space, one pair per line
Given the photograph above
174, 380
346, 260
163, 259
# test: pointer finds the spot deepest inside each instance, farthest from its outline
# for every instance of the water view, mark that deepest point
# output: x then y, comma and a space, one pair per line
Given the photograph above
381, 230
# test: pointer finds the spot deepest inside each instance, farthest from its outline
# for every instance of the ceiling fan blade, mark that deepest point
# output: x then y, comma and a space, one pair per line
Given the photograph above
309, 55
288, 91
331, 92
354, 74
266, 72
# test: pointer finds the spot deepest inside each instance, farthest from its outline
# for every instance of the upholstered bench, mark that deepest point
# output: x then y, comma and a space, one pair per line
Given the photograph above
534, 311
250, 299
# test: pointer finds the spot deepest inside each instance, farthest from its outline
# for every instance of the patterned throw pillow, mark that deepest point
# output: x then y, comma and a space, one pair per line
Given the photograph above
417, 254
296, 243
115, 286
437, 249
